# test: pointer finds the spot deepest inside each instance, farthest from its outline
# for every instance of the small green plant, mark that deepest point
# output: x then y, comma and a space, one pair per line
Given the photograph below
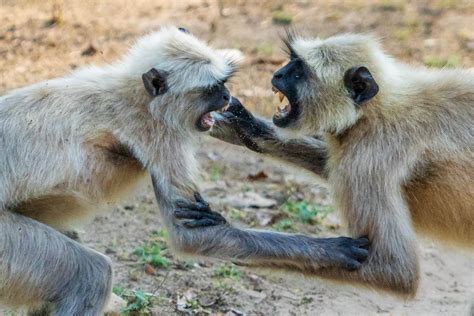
215, 173
118, 290
138, 301
301, 210
227, 271
393, 5
151, 254
246, 188
285, 224
304, 212
225, 287
189, 264
281, 17
306, 300
237, 214
162, 233
193, 304
438, 62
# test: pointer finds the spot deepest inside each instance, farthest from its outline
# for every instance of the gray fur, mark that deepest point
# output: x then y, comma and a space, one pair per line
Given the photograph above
75, 145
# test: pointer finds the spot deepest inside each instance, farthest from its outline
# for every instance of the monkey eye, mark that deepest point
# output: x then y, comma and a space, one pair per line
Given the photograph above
297, 76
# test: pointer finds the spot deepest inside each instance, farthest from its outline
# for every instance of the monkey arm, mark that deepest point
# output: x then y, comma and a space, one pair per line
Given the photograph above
252, 247
239, 127
372, 203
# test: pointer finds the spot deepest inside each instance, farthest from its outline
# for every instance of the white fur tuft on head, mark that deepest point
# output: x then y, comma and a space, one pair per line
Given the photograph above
329, 57
189, 62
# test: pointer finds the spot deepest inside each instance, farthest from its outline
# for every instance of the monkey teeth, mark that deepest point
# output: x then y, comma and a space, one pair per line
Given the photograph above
281, 96
225, 108
283, 110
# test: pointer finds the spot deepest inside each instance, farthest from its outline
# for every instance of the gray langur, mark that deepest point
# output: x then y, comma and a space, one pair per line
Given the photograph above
73, 146
394, 143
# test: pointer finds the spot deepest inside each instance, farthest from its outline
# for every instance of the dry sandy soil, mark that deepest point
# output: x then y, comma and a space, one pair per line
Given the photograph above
45, 39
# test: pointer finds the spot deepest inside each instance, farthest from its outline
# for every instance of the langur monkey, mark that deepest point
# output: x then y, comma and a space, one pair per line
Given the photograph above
395, 144
75, 145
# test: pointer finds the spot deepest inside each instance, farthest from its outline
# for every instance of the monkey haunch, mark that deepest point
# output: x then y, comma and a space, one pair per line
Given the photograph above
74, 145
396, 145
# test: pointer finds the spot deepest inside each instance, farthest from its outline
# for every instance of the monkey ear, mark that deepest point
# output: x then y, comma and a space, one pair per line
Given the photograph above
155, 82
360, 84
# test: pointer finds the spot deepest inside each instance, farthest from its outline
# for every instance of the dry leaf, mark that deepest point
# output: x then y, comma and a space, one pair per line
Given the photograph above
149, 269
89, 51
259, 176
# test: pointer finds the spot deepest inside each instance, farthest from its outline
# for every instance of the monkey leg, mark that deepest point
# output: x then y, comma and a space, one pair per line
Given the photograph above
395, 271
39, 265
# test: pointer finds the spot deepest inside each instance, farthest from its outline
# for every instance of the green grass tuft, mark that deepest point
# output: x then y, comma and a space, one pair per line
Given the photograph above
227, 271
151, 254
138, 301
281, 17
438, 62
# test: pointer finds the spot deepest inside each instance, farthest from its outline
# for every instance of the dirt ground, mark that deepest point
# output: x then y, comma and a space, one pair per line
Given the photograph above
44, 39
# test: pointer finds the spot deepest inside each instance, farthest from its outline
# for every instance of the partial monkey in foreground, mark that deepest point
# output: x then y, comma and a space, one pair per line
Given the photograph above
395, 144
75, 145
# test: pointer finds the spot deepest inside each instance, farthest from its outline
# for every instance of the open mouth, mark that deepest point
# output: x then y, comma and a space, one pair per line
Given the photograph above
286, 112
283, 109
206, 121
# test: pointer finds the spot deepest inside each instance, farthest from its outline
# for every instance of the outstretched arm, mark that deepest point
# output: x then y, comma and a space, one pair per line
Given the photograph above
195, 229
239, 127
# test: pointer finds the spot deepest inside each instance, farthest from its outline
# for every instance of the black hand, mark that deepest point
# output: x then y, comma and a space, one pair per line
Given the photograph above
197, 213
347, 252
247, 127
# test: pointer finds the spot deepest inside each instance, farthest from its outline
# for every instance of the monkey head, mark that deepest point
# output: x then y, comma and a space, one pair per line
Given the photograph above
184, 77
327, 83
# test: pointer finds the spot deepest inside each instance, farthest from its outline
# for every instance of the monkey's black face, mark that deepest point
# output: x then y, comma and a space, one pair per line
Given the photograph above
215, 98
285, 82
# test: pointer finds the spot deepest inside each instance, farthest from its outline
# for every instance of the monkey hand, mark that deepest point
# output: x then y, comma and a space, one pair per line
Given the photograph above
195, 214
342, 252
240, 127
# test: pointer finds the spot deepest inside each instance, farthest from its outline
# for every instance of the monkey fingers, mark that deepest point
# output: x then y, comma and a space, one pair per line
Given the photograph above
239, 111
346, 252
245, 122
248, 128
197, 214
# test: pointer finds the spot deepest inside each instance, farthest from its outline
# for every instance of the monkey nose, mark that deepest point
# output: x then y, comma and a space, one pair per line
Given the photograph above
278, 76
226, 97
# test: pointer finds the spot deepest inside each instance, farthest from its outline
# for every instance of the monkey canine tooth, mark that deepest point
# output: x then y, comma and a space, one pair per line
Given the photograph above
281, 96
